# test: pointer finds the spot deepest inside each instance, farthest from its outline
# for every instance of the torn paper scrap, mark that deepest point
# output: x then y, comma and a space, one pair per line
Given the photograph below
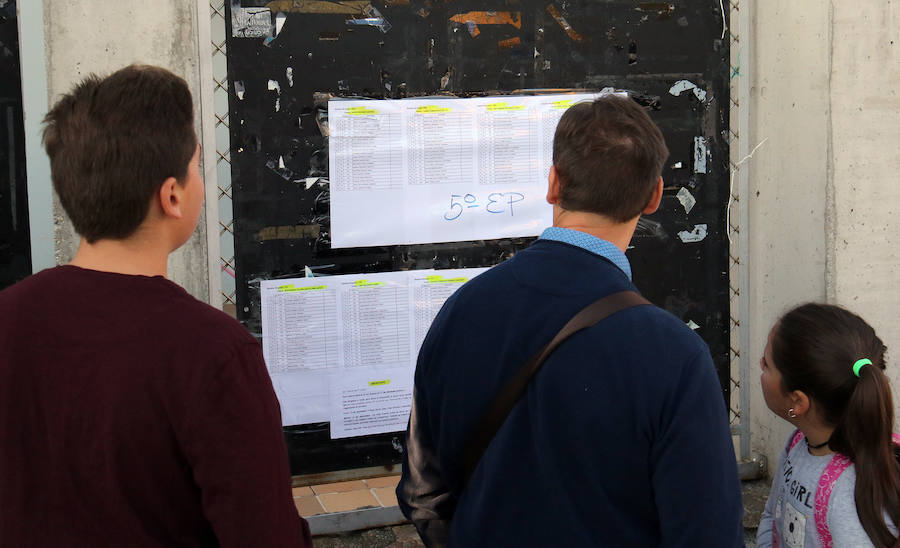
698, 234
693, 325
687, 199
663, 9
279, 22
513, 18
239, 89
347, 7
554, 12
276, 87
251, 23
509, 43
684, 85
288, 232
700, 154
278, 168
366, 21
372, 18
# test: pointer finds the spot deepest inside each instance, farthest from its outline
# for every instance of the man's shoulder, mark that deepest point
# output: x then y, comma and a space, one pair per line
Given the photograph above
664, 321
659, 329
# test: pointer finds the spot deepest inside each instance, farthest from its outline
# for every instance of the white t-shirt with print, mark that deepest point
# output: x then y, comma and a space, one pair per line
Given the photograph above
792, 500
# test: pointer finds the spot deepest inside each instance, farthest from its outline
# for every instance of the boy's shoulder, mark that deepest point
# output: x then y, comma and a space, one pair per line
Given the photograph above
152, 300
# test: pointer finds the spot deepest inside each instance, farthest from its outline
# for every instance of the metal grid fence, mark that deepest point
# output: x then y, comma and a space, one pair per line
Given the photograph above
738, 220
223, 153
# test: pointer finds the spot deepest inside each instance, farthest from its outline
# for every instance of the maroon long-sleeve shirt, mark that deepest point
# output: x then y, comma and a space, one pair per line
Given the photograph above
132, 414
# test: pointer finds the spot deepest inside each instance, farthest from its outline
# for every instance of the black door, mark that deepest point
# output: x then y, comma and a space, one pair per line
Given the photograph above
15, 247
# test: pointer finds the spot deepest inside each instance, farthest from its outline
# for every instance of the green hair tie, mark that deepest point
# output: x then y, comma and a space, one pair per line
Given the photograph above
859, 365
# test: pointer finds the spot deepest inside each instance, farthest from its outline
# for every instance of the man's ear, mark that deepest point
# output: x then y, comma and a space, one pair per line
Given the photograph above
554, 187
170, 198
655, 198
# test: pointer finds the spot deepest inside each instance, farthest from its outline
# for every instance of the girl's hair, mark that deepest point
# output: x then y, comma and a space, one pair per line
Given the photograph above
814, 348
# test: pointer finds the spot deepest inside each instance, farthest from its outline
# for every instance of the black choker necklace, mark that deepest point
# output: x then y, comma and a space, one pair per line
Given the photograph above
821, 445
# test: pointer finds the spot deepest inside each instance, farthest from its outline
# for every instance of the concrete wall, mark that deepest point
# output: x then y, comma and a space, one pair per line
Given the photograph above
865, 227
789, 108
102, 36
824, 187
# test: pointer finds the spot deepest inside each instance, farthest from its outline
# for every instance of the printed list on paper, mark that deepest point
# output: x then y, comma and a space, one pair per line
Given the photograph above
375, 402
439, 170
320, 332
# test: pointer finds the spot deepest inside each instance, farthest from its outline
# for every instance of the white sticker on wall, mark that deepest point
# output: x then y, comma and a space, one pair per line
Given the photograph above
698, 234
700, 154
687, 199
251, 22
684, 85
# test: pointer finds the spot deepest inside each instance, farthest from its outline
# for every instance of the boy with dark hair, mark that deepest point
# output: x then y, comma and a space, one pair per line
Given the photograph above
622, 437
132, 414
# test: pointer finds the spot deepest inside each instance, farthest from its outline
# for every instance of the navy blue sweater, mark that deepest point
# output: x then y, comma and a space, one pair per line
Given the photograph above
622, 438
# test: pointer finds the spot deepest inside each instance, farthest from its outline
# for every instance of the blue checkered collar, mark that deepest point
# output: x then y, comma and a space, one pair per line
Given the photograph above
590, 243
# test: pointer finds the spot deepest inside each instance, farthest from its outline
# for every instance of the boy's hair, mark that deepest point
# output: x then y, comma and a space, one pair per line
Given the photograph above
815, 348
113, 141
609, 155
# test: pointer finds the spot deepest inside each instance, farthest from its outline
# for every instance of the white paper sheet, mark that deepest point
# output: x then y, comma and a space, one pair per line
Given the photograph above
370, 402
439, 170
319, 329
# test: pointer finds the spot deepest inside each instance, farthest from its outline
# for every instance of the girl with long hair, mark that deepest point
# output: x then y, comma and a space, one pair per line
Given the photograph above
838, 481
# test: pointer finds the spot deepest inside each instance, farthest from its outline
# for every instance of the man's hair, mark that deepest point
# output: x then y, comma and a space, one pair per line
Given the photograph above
113, 141
608, 155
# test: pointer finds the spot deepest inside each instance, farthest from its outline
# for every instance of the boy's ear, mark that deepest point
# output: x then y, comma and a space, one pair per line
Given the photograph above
655, 198
554, 187
170, 198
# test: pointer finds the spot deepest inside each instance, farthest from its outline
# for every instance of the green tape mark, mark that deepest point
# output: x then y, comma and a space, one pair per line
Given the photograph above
431, 109
361, 111
292, 289
504, 106
435, 279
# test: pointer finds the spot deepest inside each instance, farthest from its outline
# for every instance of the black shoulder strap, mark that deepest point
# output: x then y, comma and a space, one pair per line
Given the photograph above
495, 415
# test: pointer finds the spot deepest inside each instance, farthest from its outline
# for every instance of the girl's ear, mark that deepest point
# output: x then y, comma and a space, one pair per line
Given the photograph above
800, 402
